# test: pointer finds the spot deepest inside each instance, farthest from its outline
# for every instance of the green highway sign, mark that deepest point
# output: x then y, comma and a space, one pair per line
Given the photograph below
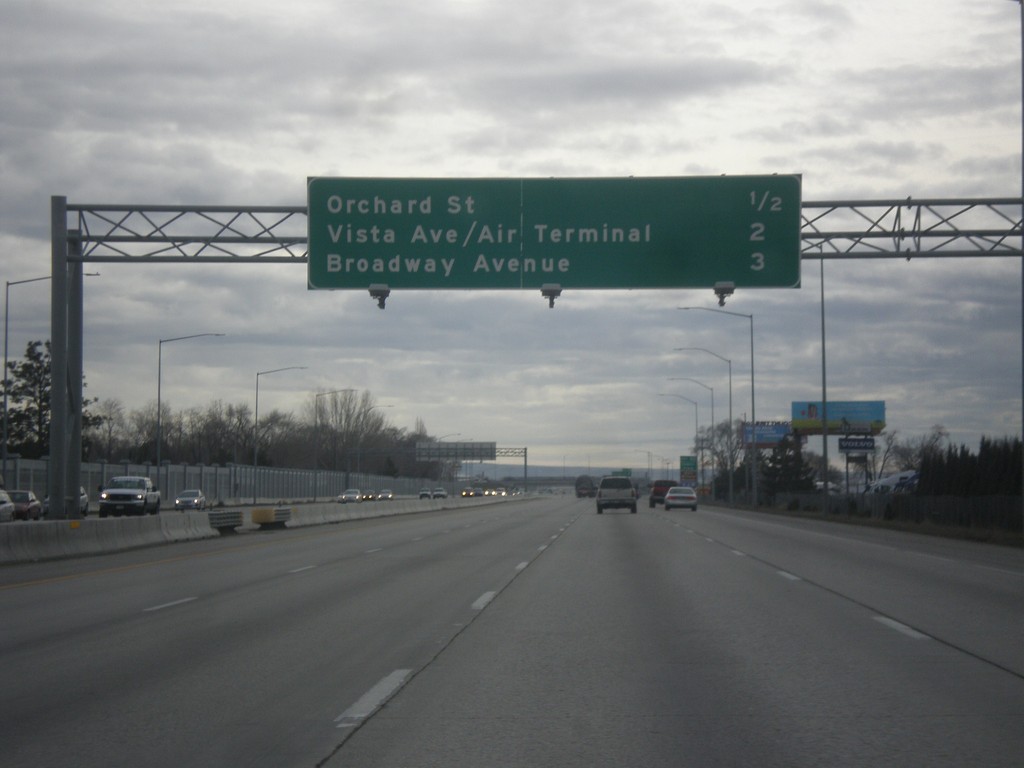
604, 233
688, 471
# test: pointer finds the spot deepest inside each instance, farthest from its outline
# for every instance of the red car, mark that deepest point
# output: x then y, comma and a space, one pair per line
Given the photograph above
26, 505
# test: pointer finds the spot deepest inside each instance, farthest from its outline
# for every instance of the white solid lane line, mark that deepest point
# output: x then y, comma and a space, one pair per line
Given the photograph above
483, 600
902, 628
372, 699
169, 605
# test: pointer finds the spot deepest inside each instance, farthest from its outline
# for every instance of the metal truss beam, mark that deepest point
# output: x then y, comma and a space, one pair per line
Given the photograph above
509, 451
207, 234
843, 229
885, 229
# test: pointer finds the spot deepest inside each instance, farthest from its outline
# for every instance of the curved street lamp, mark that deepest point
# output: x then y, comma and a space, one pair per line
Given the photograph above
712, 391
316, 431
159, 378
696, 420
256, 426
732, 467
753, 410
7, 303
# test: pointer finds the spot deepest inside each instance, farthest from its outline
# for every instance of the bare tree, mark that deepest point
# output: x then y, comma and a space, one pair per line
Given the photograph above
908, 455
109, 434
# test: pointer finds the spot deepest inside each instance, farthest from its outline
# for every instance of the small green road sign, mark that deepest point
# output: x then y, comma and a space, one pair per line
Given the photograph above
607, 233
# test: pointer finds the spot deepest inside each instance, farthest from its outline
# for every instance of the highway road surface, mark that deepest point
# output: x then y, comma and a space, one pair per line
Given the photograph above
530, 632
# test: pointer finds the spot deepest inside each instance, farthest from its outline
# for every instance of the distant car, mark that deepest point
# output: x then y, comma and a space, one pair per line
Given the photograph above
425, 493
584, 487
386, 495
439, 493
658, 490
26, 505
351, 496
368, 496
6, 507
478, 491
83, 503
192, 499
680, 496
467, 491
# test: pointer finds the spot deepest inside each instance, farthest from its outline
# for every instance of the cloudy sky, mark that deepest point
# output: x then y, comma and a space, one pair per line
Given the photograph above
238, 103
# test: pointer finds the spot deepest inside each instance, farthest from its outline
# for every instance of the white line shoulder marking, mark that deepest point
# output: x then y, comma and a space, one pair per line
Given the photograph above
170, 604
902, 628
483, 600
372, 699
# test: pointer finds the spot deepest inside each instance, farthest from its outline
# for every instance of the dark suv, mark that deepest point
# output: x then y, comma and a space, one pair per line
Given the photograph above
658, 490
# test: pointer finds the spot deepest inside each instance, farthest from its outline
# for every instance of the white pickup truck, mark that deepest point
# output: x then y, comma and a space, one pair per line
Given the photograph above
129, 495
616, 491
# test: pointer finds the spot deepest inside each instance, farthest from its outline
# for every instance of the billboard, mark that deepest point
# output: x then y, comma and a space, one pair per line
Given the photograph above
845, 417
769, 433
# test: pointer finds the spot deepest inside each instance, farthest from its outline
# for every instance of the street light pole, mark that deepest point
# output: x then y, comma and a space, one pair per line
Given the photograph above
1021, 4
732, 466
359, 446
712, 391
444, 465
316, 432
696, 421
753, 410
7, 301
159, 380
256, 427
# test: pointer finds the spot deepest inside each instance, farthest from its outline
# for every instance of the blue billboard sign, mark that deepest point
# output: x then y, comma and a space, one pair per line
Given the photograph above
769, 433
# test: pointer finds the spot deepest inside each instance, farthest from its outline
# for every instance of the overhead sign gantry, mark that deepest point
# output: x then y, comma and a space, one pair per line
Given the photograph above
84, 233
608, 233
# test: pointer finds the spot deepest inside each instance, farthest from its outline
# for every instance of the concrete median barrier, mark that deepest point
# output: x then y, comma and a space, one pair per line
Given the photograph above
52, 539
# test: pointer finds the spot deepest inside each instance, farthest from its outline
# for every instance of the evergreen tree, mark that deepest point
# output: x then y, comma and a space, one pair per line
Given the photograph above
785, 470
28, 403
28, 406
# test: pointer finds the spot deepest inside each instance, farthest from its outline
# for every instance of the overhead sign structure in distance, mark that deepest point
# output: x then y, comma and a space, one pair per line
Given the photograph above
439, 451
602, 233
